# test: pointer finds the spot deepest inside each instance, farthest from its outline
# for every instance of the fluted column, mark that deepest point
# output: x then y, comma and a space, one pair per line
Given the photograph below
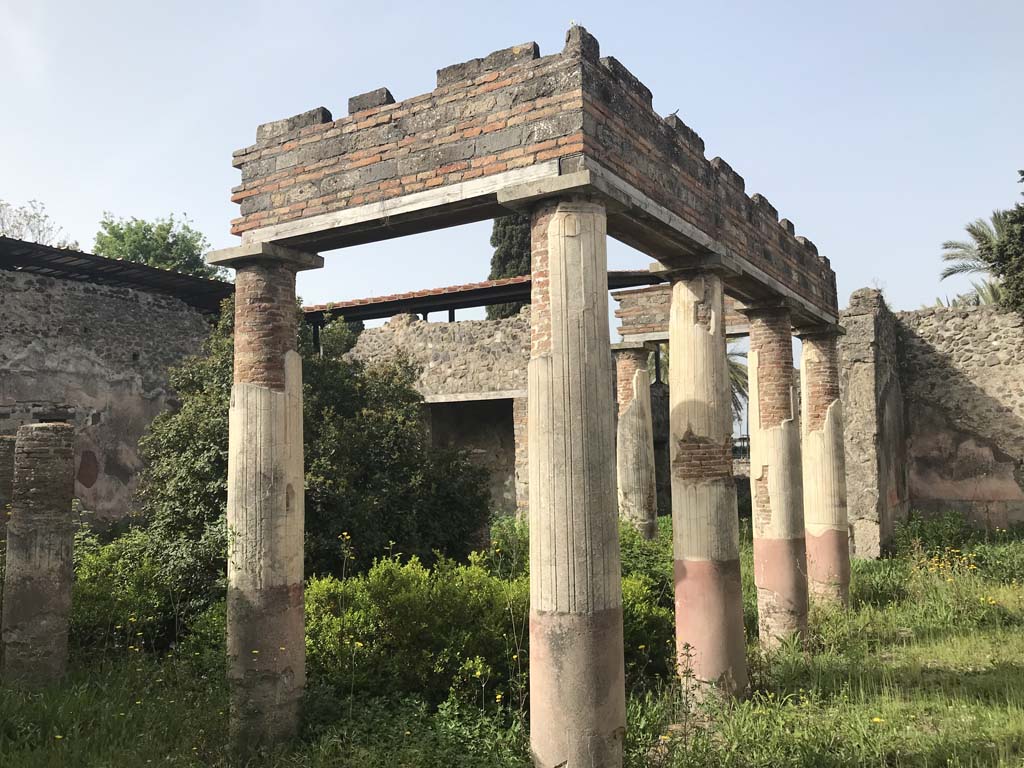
634, 454
780, 567
824, 468
40, 534
577, 682
705, 523
265, 509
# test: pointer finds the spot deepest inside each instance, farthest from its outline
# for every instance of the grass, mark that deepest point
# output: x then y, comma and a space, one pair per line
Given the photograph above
925, 669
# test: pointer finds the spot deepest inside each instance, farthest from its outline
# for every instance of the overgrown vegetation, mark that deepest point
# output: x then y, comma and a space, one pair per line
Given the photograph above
373, 484
411, 665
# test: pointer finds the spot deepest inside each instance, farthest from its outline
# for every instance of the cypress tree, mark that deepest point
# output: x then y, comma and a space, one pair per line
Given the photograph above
510, 238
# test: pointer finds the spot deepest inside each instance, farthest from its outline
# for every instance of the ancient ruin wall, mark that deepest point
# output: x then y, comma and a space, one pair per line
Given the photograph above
962, 372
514, 111
467, 360
101, 354
872, 398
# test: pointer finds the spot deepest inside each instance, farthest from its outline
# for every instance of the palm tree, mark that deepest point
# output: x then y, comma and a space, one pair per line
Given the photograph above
983, 293
737, 375
964, 257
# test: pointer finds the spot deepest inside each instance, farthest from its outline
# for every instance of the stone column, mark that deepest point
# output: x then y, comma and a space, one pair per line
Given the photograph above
37, 584
638, 501
577, 681
6, 480
265, 514
824, 468
780, 563
705, 522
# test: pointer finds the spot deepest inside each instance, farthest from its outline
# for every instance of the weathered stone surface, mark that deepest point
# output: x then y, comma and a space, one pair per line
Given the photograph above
824, 470
962, 375
6, 480
369, 100
40, 534
780, 566
635, 442
872, 399
468, 358
265, 511
705, 521
577, 683
98, 357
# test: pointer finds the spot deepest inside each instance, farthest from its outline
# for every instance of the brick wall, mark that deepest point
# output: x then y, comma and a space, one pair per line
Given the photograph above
266, 323
627, 363
514, 109
643, 311
822, 372
771, 337
540, 298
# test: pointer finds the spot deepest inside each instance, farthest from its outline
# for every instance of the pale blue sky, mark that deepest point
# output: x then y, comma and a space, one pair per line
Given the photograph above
879, 128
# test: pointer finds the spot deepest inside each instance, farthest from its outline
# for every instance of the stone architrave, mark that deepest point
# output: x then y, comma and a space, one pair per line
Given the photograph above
824, 468
780, 561
577, 681
265, 509
705, 521
6, 480
638, 500
40, 535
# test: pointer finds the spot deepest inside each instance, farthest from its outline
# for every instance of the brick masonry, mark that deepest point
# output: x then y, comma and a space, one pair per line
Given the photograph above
627, 363
266, 323
823, 377
644, 312
771, 336
515, 109
99, 356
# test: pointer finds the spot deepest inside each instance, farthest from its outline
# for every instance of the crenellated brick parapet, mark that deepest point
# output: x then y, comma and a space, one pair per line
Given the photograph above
572, 121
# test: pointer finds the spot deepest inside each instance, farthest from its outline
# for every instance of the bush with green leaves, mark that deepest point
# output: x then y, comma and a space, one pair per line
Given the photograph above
372, 477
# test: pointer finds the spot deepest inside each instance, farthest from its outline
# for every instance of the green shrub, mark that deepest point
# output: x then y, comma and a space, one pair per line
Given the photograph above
932, 533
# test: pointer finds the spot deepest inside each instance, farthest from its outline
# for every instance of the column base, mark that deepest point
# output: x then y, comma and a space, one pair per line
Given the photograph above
577, 689
709, 618
828, 566
781, 578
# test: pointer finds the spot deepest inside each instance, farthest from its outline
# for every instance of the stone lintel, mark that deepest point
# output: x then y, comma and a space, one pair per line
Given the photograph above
818, 331
263, 251
624, 346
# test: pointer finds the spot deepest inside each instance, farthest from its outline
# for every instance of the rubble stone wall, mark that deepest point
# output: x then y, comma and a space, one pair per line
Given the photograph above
962, 373
98, 356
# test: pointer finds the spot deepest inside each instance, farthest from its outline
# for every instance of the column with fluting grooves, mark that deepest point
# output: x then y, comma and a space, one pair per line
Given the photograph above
6, 480
638, 501
265, 509
40, 532
705, 522
824, 468
577, 681
780, 563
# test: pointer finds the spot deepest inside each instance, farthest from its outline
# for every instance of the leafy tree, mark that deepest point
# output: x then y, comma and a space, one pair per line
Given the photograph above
164, 243
31, 222
370, 469
510, 238
1006, 257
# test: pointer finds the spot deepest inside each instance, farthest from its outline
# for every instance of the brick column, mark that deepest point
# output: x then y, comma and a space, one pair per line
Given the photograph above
577, 681
705, 522
37, 584
634, 455
520, 414
6, 480
780, 568
265, 511
824, 468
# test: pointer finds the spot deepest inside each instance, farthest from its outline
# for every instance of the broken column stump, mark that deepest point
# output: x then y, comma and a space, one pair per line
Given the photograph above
38, 578
634, 455
705, 521
780, 560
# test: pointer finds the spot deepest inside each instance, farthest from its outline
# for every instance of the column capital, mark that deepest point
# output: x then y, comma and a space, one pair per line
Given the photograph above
630, 346
767, 306
250, 252
824, 330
